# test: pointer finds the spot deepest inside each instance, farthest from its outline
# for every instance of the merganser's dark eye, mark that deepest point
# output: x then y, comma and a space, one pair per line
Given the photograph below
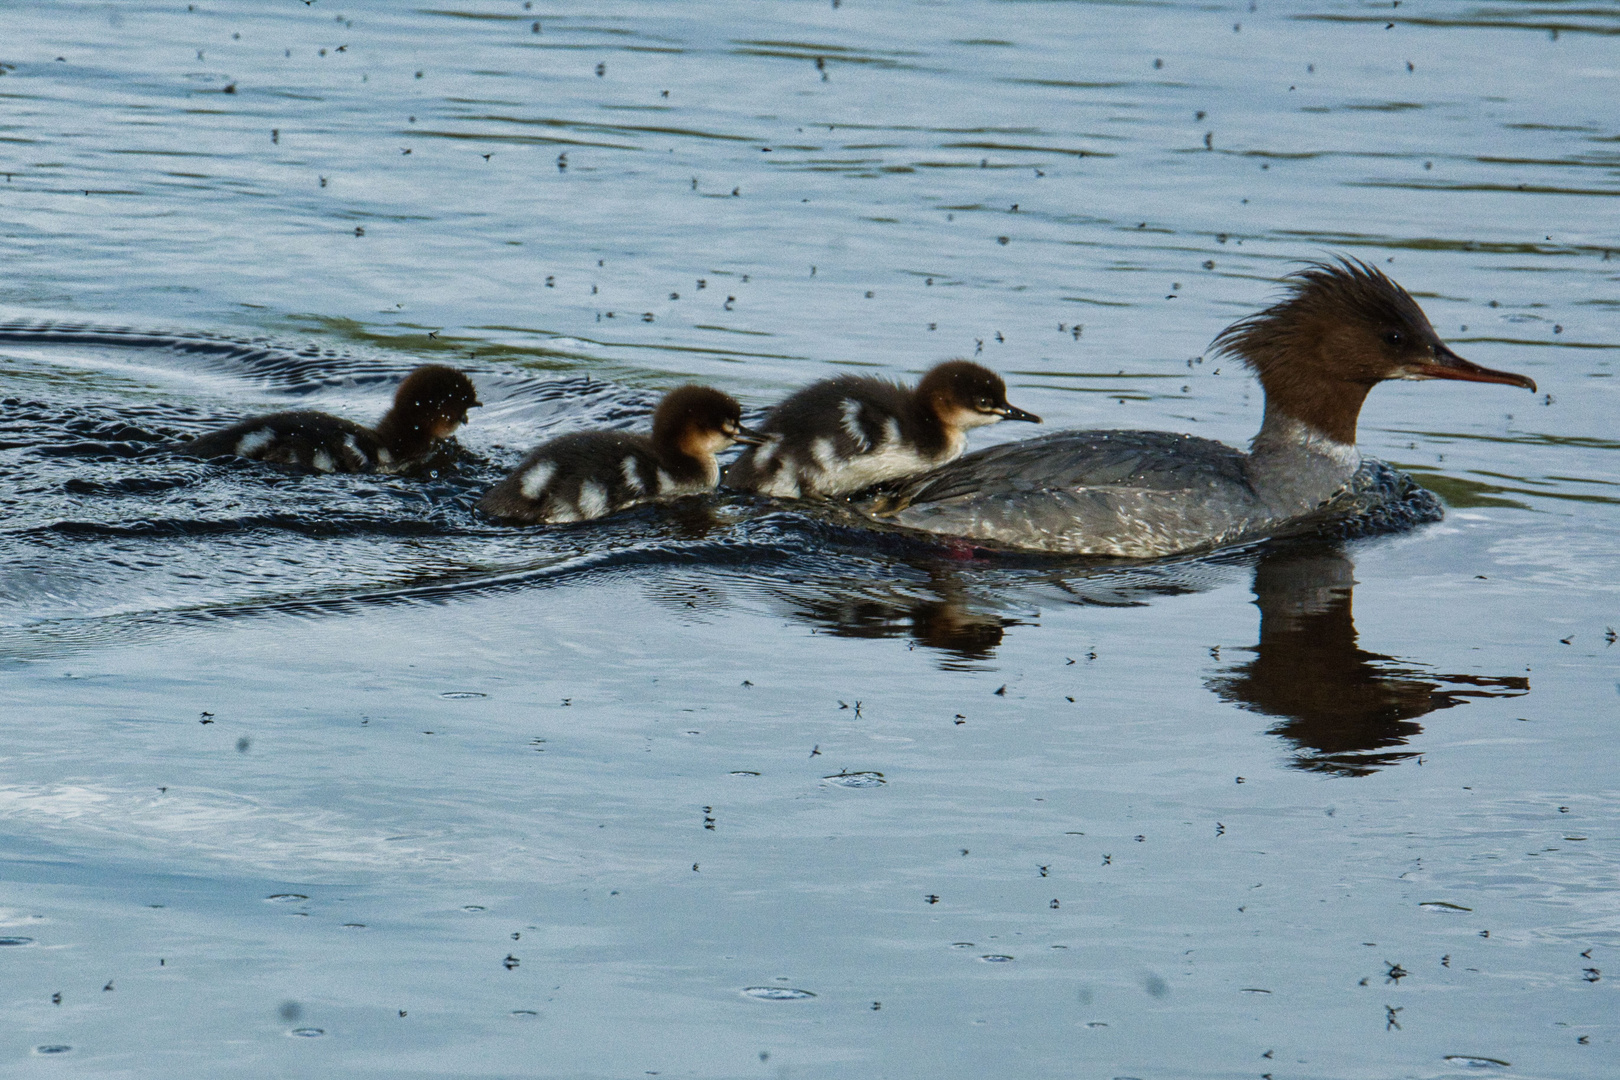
1394, 339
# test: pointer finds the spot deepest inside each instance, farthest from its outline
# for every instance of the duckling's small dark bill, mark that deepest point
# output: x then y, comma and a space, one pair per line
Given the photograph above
1013, 412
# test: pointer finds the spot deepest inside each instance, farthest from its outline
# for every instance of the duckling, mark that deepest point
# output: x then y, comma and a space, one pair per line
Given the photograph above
428, 407
844, 435
590, 474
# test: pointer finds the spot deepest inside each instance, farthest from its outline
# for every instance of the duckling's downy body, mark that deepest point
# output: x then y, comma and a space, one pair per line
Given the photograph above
428, 407
590, 474
846, 434
1343, 328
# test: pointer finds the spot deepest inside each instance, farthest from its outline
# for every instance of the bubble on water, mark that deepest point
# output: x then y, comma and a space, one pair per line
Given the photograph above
53, 1048
1473, 1061
461, 695
16, 941
307, 1033
472, 907
285, 898
776, 993
961, 944
1441, 905
354, 926
996, 958
743, 772
524, 1014
856, 779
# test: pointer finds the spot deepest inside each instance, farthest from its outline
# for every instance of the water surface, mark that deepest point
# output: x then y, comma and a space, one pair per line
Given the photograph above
327, 775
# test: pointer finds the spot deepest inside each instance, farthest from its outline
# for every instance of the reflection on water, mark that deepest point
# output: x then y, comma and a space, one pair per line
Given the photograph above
1341, 706
938, 613
887, 585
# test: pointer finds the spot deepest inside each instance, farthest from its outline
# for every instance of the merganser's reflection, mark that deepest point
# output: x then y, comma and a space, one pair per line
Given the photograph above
1344, 710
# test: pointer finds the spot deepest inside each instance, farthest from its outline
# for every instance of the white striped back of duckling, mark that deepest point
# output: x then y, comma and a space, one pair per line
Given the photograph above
301, 440
582, 477
844, 448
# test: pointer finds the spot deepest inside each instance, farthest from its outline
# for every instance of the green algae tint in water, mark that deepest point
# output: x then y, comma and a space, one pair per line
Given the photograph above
328, 776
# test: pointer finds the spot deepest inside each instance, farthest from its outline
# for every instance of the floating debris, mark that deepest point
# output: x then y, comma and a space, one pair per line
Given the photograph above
776, 993
856, 779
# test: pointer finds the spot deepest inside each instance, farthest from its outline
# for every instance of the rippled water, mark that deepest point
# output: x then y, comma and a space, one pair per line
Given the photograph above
327, 775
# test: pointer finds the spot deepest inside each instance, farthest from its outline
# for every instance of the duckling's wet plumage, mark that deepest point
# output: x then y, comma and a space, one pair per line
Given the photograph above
845, 434
429, 405
1342, 328
589, 474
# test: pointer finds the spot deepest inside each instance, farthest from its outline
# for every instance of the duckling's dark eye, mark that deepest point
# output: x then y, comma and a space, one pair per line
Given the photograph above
1394, 339
984, 404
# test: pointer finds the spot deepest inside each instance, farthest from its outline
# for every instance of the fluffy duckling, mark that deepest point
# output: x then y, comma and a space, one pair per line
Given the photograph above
590, 474
844, 435
428, 407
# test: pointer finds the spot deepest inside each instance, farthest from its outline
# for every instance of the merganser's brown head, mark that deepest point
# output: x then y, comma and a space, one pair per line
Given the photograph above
1343, 328
699, 422
964, 395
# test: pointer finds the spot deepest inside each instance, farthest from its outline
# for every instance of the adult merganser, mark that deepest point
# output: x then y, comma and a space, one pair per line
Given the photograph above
589, 474
428, 407
846, 434
1342, 328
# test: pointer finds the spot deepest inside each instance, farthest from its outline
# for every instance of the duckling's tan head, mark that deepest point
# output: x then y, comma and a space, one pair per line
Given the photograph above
1342, 328
436, 398
964, 395
700, 421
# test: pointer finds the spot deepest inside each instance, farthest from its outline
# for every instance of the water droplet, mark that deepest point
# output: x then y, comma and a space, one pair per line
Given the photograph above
308, 1033
460, 695
524, 1014
743, 772
961, 944
995, 958
285, 898
354, 926
1441, 905
473, 907
1474, 1062
16, 941
777, 993
856, 779
53, 1048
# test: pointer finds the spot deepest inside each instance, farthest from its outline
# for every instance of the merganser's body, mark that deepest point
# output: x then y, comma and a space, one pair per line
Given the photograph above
1343, 328
429, 405
843, 435
589, 474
